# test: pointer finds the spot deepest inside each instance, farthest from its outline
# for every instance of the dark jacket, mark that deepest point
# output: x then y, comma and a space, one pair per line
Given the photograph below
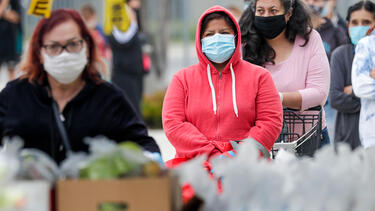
8, 35
26, 111
128, 68
332, 36
348, 106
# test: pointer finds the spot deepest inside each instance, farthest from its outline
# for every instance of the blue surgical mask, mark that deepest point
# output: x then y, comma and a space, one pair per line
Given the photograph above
315, 9
325, 11
321, 11
357, 33
219, 47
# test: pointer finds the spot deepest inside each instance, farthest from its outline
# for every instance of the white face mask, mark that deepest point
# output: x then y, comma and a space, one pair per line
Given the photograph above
66, 67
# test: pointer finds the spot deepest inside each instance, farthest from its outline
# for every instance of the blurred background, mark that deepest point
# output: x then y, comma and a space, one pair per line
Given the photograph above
170, 26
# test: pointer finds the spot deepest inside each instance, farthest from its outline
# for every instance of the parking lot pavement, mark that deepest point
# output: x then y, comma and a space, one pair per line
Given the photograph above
167, 150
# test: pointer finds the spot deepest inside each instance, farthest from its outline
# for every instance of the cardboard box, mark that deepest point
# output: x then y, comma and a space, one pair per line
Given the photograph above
129, 194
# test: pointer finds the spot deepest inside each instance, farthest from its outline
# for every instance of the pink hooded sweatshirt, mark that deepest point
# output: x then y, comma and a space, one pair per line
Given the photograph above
202, 111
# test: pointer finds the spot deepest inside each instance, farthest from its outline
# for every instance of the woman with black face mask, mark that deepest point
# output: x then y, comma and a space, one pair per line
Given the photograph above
278, 35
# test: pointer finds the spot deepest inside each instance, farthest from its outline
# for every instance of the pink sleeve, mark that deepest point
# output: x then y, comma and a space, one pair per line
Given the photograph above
318, 74
269, 113
184, 136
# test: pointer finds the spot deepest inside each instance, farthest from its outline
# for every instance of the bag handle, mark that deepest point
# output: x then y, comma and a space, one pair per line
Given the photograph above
61, 128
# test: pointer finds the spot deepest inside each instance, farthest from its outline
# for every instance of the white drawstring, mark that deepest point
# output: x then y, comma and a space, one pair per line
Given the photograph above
213, 90
234, 90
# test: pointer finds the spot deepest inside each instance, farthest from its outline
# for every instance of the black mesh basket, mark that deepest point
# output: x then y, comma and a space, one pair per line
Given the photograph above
301, 132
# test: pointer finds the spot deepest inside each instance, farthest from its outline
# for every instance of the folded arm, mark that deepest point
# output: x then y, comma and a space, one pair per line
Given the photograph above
269, 114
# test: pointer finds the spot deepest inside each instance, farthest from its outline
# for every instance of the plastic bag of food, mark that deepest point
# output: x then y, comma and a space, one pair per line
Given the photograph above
69, 168
108, 160
37, 165
9, 163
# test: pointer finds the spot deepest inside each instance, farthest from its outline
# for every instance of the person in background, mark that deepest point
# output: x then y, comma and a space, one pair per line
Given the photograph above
88, 13
61, 98
147, 48
363, 80
10, 18
360, 17
278, 35
329, 11
332, 35
127, 60
222, 98
334, 16
89, 16
19, 38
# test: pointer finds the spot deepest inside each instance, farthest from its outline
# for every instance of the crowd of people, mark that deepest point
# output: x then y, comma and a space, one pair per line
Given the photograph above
307, 49
295, 54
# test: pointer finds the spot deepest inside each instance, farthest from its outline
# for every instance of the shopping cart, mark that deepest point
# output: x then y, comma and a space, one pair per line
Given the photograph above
301, 132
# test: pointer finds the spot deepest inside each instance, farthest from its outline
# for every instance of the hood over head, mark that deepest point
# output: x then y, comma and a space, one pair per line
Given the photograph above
205, 63
237, 53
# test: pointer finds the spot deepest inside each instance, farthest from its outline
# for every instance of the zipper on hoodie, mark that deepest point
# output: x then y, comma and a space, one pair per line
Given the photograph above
218, 109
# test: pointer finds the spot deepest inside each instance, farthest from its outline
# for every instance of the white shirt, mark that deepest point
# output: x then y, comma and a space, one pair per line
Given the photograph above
364, 88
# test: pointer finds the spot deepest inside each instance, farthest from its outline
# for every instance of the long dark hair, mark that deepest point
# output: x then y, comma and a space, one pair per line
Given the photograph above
255, 48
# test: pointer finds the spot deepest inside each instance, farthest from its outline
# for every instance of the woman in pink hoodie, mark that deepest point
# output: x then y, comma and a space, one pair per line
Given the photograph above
222, 98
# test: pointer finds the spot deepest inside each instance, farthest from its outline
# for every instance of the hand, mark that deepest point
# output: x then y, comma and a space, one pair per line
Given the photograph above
228, 154
155, 156
372, 73
235, 145
3, 6
131, 13
135, 4
11, 16
263, 152
281, 97
4, 3
348, 90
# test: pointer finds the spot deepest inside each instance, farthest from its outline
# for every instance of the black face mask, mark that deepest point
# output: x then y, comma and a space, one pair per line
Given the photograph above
270, 27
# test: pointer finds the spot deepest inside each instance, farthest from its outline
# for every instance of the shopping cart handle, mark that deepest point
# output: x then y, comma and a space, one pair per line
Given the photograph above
316, 108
